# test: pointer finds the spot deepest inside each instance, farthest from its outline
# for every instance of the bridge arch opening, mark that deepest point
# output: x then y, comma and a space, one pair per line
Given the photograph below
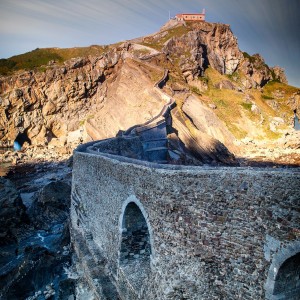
135, 247
284, 276
287, 282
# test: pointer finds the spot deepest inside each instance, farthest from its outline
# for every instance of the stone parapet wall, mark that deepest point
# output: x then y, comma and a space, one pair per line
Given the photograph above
215, 233
130, 147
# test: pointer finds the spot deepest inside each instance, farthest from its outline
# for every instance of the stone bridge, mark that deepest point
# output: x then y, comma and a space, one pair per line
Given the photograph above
143, 230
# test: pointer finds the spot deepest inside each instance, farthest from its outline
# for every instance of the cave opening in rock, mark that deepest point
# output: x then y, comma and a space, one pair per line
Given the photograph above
20, 140
135, 248
287, 282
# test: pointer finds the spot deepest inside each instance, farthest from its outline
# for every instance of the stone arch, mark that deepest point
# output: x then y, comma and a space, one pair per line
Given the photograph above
283, 280
136, 245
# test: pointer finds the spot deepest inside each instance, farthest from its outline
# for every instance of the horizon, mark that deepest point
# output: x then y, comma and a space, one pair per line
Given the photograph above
33, 24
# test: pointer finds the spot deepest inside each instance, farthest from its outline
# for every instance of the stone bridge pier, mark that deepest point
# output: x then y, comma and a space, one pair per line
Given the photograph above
141, 230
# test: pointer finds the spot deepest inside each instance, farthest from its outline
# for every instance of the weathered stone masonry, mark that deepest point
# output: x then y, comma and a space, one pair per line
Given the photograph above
170, 232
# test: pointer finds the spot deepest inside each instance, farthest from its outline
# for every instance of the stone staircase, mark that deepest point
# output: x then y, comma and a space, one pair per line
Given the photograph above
93, 267
154, 141
153, 133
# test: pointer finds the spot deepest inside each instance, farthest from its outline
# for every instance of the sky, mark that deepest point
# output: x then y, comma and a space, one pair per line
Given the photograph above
268, 27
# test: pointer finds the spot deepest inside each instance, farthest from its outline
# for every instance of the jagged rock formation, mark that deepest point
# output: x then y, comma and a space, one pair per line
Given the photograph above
49, 104
131, 99
55, 103
279, 74
208, 44
13, 214
95, 97
256, 71
34, 244
51, 203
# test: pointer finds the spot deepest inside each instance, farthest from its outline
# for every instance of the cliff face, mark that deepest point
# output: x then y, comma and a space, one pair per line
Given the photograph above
49, 104
58, 102
207, 44
214, 45
258, 73
235, 95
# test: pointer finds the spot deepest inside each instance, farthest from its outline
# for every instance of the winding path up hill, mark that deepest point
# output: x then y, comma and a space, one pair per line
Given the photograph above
223, 95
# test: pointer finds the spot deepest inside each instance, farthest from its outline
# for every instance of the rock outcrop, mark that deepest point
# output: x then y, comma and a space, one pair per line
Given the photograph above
35, 245
50, 104
207, 44
279, 74
256, 71
13, 216
54, 104
97, 97
51, 203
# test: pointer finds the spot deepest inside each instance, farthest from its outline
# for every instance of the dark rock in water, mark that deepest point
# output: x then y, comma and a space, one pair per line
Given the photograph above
13, 215
51, 204
66, 289
39, 261
40, 267
35, 244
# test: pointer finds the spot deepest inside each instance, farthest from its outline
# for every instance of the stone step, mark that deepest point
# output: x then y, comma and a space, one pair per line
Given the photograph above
155, 155
156, 149
155, 133
162, 162
154, 143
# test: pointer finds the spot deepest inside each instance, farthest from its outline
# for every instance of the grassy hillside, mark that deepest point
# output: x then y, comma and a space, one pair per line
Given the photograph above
157, 41
251, 111
245, 112
39, 57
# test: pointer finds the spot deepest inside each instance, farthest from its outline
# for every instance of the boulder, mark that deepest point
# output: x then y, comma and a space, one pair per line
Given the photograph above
51, 203
13, 216
279, 74
256, 71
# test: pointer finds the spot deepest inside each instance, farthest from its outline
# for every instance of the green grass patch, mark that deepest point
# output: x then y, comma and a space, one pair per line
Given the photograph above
250, 57
41, 57
213, 77
235, 76
28, 61
267, 97
6, 66
157, 43
228, 103
220, 103
275, 85
195, 90
203, 79
236, 131
272, 135
246, 105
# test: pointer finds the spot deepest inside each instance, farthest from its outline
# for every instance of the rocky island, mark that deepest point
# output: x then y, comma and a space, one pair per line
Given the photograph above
197, 173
